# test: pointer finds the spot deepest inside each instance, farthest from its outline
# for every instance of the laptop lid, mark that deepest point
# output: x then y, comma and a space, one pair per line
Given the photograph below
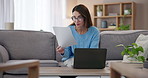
89, 58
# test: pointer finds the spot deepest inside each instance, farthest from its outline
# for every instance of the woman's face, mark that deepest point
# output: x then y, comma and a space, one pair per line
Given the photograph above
78, 19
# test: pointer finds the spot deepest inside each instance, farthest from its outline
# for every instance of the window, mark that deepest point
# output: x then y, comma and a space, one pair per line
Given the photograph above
38, 14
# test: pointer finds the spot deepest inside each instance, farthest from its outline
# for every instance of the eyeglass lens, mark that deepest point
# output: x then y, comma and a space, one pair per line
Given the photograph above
79, 18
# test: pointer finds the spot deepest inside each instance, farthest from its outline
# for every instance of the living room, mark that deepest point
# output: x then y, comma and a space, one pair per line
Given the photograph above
27, 31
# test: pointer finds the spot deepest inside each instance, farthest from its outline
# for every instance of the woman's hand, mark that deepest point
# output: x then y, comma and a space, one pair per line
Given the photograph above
60, 49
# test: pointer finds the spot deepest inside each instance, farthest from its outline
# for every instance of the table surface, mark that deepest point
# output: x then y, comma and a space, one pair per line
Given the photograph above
129, 70
67, 71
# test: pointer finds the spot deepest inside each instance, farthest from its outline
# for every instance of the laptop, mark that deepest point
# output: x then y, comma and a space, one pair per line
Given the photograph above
89, 58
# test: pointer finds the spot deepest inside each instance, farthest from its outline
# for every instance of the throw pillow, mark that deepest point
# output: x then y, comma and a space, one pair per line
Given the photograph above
142, 40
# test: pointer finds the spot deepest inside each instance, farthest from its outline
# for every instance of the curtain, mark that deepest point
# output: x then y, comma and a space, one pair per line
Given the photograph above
6, 12
38, 14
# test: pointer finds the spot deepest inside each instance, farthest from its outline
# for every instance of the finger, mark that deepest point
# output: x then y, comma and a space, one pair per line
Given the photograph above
58, 47
59, 50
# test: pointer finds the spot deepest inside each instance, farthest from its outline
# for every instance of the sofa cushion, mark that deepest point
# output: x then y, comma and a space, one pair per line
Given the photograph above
22, 45
48, 63
142, 40
109, 40
15, 76
43, 63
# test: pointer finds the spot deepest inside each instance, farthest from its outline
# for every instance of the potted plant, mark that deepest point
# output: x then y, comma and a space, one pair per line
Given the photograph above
131, 53
127, 11
99, 10
122, 25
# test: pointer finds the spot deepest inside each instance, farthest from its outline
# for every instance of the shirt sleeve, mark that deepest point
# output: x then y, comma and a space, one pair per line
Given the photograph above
95, 40
67, 53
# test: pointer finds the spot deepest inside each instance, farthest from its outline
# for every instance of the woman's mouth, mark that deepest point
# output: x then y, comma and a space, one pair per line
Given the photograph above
77, 24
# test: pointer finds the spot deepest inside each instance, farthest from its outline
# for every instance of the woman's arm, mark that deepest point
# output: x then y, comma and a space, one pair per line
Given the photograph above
67, 53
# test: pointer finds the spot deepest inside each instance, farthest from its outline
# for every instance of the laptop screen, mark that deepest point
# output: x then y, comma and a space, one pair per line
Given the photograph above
89, 58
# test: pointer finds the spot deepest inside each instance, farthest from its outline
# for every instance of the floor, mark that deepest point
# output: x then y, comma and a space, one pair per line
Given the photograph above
80, 77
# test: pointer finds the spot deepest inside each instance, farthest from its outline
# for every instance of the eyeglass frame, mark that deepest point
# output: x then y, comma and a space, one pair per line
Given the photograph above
79, 18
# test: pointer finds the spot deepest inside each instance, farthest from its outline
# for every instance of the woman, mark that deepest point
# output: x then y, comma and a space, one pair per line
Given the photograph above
86, 35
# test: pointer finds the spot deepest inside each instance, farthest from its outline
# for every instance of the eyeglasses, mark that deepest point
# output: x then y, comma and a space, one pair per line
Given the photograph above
79, 18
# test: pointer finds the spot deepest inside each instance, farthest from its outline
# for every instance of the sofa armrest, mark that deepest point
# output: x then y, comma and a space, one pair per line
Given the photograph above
3, 54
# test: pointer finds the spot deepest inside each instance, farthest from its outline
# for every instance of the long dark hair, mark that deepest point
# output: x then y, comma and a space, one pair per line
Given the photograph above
83, 10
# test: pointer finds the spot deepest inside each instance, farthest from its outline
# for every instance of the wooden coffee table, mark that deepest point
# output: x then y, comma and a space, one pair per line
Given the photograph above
129, 70
32, 65
67, 71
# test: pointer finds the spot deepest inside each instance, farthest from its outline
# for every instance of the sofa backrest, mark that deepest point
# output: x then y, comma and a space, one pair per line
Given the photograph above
22, 44
109, 40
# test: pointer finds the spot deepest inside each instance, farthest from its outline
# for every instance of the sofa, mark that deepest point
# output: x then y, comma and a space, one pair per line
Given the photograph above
16, 45
109, 40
